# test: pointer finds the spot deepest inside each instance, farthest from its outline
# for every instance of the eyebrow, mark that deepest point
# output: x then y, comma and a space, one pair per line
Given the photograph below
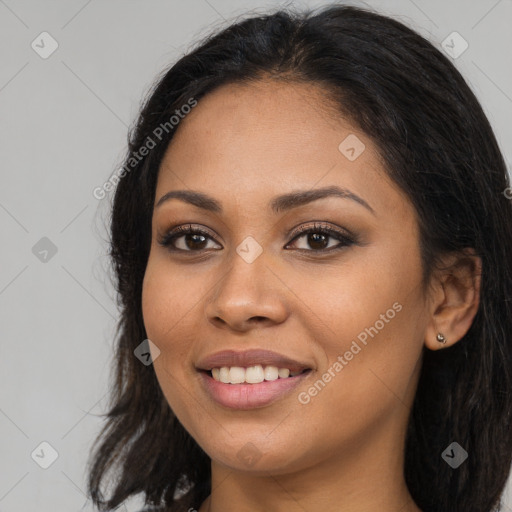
280, 203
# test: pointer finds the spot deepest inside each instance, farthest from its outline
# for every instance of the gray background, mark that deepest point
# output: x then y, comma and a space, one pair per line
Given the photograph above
63, 129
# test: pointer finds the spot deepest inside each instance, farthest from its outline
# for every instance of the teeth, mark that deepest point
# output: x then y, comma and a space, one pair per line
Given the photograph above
250, 375
271, 373
236, 375
224, 374
283, 373
254, 374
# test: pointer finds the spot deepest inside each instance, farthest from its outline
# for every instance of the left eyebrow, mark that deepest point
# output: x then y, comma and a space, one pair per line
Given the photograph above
302, 197
280, 203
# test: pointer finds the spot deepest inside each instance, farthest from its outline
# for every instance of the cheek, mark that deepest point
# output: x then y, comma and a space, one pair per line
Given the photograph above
340, 302
169, 296
168, 302
368, 312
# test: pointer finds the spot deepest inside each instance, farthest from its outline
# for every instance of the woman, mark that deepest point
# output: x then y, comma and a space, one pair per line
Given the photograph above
312, 247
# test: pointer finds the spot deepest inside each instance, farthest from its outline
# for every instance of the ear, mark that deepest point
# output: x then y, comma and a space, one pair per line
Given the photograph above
454, 298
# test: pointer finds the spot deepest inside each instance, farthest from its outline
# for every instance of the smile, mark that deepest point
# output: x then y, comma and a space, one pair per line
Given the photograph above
244, 395
251, 375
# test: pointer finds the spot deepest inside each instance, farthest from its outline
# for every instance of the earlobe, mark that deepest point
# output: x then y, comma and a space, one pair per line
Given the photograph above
455, 299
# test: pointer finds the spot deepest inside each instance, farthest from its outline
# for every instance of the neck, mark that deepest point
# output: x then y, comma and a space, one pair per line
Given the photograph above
362, 477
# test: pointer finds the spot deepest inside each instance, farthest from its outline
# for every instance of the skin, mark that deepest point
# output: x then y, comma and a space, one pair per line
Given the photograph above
342, 451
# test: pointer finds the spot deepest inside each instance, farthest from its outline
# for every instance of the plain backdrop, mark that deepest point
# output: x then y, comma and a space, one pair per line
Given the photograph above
63, 125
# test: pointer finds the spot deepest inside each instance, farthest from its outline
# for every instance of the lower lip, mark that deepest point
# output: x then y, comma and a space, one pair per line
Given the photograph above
250, 396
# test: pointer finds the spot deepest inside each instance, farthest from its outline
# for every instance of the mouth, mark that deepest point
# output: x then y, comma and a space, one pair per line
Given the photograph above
251, 358
250, 379
252, 375
249, 395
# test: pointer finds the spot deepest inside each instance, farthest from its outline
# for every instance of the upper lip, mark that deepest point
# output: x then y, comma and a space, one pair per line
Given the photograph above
250, 358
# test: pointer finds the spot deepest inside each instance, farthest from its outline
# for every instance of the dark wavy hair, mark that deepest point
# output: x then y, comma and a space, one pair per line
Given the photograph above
437, 146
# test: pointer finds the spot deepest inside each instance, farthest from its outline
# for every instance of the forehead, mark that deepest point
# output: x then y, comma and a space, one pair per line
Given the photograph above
265, 138
270, 115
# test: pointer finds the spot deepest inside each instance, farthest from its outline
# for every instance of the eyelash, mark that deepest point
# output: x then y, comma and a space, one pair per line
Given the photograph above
318, 228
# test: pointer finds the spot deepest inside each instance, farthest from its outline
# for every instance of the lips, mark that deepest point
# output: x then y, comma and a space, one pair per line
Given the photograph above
248, 358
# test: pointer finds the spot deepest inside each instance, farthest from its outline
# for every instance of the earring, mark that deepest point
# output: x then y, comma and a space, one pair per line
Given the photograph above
441, 338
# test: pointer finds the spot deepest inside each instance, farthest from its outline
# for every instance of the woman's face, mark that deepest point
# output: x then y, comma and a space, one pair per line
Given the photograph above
346, 304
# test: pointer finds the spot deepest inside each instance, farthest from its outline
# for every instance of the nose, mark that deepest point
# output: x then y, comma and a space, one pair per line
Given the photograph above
247, 296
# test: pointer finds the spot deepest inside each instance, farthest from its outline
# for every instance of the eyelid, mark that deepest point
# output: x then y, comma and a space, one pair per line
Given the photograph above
321, 226
182, 230
344, 236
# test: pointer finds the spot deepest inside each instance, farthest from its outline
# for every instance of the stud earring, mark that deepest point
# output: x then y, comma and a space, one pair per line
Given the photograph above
441, 338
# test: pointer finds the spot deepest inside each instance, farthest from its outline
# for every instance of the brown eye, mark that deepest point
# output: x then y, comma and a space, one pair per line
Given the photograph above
193, 241
187, 239
318, 238
318, 241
